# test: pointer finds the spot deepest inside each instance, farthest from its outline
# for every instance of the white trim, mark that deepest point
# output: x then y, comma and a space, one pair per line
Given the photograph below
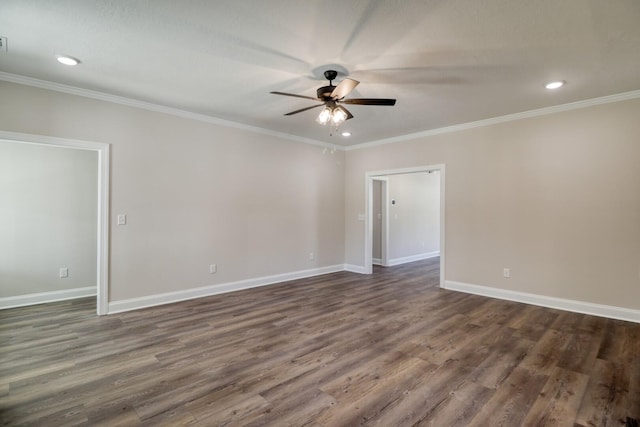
412, 258
102, 304
51, 140
442, 226
187, 294
45, 297
612, 312
72, 90
384, 238
121, 100
352, 268
377, 261
501, 119
102, 278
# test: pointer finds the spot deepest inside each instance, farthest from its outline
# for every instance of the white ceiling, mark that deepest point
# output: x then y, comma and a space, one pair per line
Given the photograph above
446, 61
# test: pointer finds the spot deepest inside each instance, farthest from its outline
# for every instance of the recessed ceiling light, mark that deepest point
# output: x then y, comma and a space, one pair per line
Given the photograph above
346, 133
555, 85
67, 60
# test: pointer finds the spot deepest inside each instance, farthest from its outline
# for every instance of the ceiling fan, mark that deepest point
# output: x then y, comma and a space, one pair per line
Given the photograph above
332, 96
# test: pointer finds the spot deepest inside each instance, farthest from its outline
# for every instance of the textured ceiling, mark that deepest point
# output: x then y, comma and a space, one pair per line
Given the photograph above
446, 61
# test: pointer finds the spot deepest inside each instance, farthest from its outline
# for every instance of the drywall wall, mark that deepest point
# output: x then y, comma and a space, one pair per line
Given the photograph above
555, 198
196, 193
48, 218
414, 218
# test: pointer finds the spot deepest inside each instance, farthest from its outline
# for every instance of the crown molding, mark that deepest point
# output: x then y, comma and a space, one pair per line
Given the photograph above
501, 119
72, 90
101, 96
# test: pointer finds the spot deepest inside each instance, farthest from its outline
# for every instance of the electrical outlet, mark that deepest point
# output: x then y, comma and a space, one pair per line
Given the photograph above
213, 268
312, 256
122, 219
506, 273
64, 272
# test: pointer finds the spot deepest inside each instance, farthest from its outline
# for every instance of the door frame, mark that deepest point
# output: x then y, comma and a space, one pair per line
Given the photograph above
103, 202
384, 231
368, 212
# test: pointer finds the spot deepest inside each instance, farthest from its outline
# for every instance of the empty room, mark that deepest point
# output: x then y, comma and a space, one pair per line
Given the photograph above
320, 213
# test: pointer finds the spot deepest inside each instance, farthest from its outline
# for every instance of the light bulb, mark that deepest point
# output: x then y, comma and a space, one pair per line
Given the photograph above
325, 116
338, 116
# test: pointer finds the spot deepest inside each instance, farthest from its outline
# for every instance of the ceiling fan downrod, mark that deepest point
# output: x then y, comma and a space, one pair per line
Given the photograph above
324, 92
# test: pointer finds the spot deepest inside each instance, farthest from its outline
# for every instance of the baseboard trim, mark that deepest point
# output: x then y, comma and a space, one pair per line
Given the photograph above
221, 288
376, 261
612, 312
412, 258
355, 269
45, 297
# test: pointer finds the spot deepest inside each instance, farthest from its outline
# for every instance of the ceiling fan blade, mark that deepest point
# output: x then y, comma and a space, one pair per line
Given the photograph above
293, 94
370, 101
303, 109
344, 88
349, 115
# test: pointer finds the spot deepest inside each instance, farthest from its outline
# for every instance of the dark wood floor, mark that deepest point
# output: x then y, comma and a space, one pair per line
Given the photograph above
343, 349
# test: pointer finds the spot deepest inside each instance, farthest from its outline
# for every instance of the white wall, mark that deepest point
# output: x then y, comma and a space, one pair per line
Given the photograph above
556, 198
414, 219
196, 193
48, 218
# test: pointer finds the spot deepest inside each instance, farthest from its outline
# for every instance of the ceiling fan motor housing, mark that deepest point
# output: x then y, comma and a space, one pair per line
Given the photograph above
324, 93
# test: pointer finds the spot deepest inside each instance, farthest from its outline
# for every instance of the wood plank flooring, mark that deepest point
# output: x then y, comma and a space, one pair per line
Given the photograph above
391, 349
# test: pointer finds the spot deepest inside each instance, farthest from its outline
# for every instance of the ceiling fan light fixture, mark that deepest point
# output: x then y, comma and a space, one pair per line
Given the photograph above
331, 96
324, 116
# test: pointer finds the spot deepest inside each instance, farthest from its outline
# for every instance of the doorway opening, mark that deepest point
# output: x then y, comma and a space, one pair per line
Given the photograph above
102, 231
379, 222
